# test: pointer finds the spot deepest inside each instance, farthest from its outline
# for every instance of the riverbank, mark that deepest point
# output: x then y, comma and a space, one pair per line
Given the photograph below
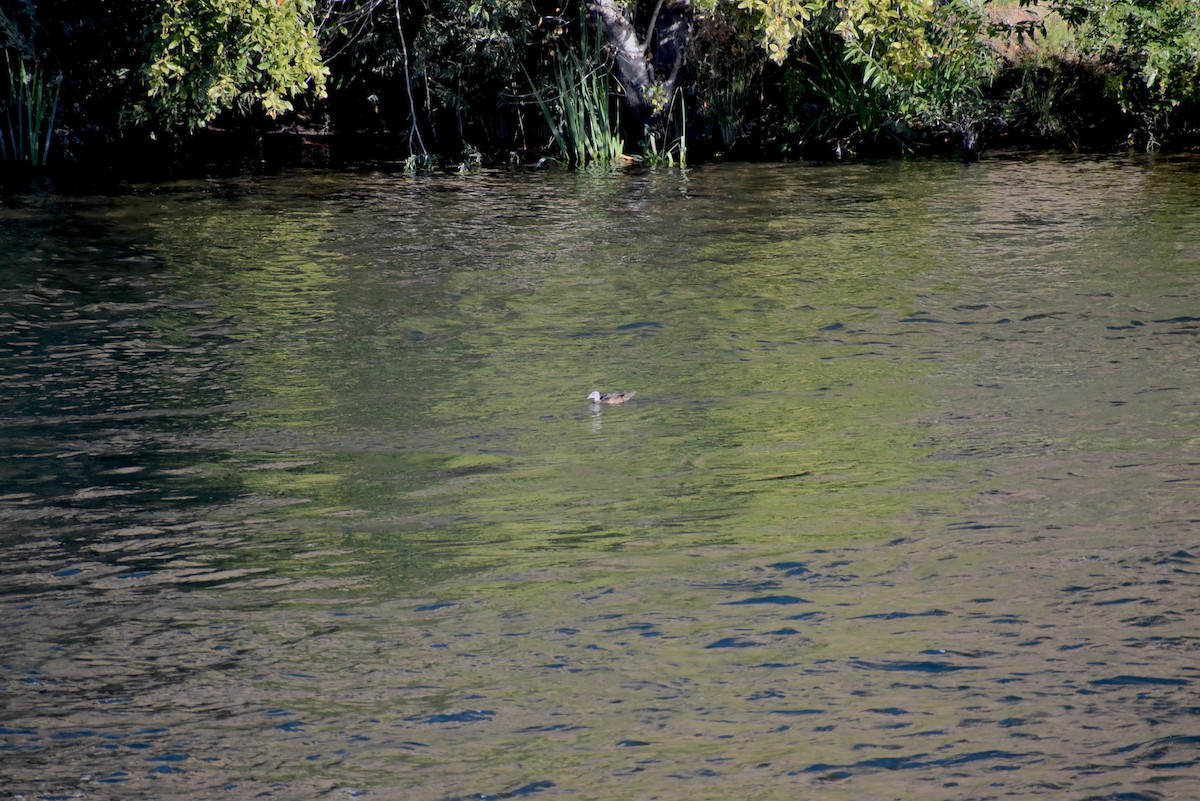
149, 90
1037, 102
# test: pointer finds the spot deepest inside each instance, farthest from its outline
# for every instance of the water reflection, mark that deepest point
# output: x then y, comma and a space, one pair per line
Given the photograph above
301, 494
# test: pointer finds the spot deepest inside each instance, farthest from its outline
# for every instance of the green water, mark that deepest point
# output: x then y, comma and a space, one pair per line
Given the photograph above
301, 493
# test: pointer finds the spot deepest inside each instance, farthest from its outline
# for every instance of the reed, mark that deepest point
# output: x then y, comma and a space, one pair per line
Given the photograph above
27, 113
578, 106
674, 153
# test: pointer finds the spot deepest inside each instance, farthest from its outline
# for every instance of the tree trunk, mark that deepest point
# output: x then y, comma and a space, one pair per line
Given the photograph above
648, 78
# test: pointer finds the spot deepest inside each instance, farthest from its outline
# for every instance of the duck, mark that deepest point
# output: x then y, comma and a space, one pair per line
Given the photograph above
612, 397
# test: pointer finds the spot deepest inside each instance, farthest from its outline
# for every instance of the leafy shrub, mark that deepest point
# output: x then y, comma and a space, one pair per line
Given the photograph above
468, 55
1150, 49
728, 69
207, 56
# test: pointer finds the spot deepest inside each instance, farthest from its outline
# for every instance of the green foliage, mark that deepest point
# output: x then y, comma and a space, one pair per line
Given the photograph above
99, 49
674, 153
1038, 37
579, 112
469, 53
420, 163
924, 60
14, 25
897, 36
456, 73
850, 107
936, 74
863, 78
729, 67
1151, 47
27, 110
451, 69
893, 37
208, 56
1044, 102
781, 22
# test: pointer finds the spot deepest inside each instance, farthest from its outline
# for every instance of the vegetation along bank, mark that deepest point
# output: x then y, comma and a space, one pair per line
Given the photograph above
122, 84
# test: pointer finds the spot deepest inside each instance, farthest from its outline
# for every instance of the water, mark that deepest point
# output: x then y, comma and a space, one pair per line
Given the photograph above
301, 496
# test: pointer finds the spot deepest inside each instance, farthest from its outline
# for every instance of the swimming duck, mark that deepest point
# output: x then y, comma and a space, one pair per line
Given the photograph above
612, 397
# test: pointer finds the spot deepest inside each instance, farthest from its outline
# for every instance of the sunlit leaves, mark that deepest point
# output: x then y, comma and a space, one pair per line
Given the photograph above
900, 44
893, 35
934, 69
781, 22
208, 56
1153, 47
928, 57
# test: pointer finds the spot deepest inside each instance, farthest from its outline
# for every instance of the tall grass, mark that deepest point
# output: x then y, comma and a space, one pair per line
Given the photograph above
853, 107
673, 153
578, 103
27, 112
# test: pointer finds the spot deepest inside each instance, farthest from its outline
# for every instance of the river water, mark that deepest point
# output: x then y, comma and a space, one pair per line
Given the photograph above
300, 495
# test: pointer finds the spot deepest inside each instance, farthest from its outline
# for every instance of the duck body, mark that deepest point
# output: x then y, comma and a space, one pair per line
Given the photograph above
612, 398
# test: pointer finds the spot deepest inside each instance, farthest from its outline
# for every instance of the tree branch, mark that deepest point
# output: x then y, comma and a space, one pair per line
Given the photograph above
650, 26
412, 104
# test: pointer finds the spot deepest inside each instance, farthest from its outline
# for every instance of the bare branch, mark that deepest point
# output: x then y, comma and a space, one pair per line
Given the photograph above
415, 131
650, 26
